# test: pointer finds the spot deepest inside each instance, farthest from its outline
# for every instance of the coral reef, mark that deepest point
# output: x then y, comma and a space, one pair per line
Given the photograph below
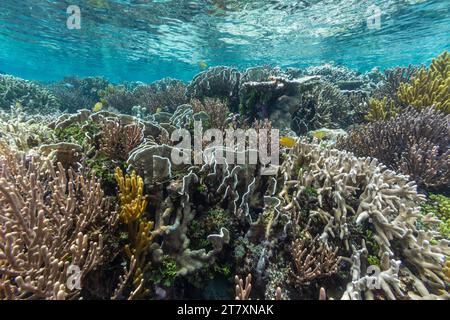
30, 96
414, 143
166, 94
217, 82
429, 87
104, 201
76, 93
312, 261
52, 222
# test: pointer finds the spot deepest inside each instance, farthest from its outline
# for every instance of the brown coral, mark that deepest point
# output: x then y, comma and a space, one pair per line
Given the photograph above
216, 109
312, 261
51, 223
414, 143
118, 140
242, 292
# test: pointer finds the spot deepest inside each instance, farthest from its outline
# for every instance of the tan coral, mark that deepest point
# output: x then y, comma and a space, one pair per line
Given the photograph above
51, 222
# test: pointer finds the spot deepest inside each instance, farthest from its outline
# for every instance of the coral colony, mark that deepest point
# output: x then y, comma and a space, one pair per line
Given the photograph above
265, 183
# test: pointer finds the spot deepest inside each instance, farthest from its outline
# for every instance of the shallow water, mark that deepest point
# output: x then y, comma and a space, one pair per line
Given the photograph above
96, 168
149, 40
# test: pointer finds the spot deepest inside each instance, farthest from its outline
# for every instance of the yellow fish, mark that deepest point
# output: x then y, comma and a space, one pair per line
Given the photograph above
287, 142
97, 107
202, 64
319, 135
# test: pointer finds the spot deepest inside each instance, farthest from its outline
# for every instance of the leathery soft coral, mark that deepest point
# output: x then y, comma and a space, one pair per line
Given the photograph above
52, 222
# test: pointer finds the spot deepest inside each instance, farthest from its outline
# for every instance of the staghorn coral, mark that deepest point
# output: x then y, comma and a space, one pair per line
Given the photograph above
356, 192
312, 261
429, 87
414, 143
381, 110
366, 286
389, 86
50, 221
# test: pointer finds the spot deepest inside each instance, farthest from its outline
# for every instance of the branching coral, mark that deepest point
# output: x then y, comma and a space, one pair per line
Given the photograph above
383, 109
312, 261
118, 98
140, 235
51, 223
414, 143
76, 93
243, 290
393, 79
25, 132
429, 87
216, 109
118, 140
356, 192
166, 94
32, 97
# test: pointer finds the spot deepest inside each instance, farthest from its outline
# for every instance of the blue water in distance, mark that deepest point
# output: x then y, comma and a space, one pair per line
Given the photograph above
147, 40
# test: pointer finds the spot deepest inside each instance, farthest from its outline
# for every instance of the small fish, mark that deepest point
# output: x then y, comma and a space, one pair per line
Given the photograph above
287, 142
202, 64
319, 135
158, 110
97, 107
68, 85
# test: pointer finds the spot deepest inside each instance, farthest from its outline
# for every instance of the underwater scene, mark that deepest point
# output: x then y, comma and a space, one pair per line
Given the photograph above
225, 149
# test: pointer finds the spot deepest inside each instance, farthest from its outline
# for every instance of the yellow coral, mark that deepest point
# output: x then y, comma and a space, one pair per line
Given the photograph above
141, 236
132, 201
132, 205
381, 110
429, 87
446, 270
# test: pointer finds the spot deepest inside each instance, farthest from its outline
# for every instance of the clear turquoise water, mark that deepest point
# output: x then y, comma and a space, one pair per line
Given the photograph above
147, 40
